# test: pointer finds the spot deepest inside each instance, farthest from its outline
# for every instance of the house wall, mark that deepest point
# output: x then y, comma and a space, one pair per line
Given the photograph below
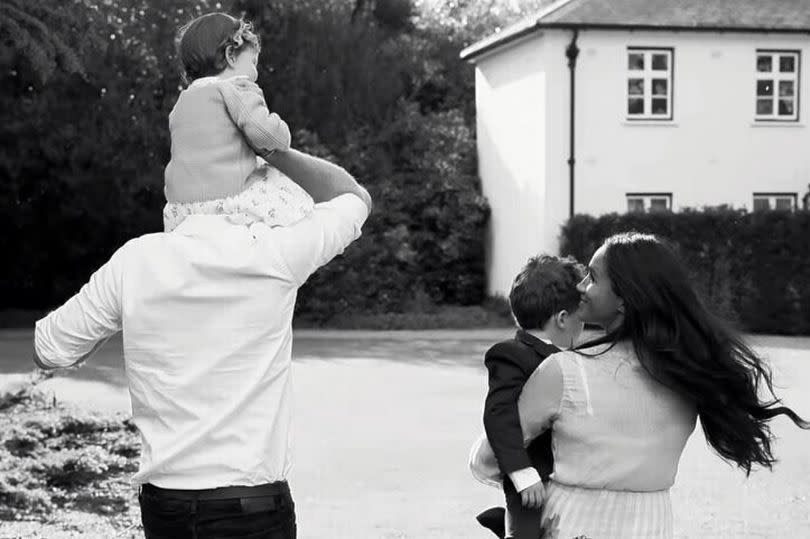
712, 152
511, 125
557, 208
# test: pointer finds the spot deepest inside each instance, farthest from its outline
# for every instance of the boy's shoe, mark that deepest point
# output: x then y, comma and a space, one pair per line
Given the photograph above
493, 520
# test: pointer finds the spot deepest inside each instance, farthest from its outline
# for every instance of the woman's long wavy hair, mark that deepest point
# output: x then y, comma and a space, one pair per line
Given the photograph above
688, 349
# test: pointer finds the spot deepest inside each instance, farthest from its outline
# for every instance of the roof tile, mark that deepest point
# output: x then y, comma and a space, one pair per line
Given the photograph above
755, 14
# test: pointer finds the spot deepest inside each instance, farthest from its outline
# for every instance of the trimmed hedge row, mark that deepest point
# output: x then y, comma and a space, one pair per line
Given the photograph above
753, 268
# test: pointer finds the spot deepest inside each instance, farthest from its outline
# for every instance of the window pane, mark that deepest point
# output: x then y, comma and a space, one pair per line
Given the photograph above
635, 105
635, 86
784, 203
765, 87
764, 63
660, 87
786, 107
787, 64
761, 204
659, 105
635, 60
764, 106
660, 62
785, 88
659, 204
635, 205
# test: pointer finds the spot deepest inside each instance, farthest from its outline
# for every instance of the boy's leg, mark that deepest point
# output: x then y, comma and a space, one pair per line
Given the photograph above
521, 522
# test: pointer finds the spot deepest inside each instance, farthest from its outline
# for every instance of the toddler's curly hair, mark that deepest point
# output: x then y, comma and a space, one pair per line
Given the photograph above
545, 286
205, 43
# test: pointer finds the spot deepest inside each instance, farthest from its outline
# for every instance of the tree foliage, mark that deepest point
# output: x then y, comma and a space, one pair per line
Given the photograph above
375, 85
43, 33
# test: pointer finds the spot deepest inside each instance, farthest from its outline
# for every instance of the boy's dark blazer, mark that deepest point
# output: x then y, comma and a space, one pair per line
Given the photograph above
510, 364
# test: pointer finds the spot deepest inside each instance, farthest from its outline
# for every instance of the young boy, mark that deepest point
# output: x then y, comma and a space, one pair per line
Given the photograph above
544, 300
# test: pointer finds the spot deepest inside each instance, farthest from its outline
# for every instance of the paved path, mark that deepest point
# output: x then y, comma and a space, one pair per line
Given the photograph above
384, 421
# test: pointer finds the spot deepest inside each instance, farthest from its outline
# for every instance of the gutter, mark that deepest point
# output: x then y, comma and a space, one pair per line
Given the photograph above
572, 53
482, 47
675, 28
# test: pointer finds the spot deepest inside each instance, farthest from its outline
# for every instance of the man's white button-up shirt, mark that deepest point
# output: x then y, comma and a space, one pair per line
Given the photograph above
206, 313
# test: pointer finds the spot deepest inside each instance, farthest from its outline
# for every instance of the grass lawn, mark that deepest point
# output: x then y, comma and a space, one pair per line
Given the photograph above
384, 422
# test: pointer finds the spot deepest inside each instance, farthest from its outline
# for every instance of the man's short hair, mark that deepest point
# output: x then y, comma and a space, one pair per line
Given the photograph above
545, 286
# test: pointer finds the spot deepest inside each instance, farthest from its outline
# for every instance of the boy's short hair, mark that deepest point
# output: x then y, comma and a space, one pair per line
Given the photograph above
204, 43
545, 286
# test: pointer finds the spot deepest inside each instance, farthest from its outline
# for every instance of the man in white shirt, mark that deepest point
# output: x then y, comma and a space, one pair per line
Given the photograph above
206, 314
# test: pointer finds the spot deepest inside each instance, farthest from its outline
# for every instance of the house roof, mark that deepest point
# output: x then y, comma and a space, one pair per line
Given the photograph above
777, 16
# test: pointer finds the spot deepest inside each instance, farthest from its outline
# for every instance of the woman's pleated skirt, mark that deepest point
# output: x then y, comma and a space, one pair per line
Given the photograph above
570, 512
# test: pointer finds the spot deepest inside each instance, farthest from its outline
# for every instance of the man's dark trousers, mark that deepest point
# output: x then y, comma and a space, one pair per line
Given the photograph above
261, 512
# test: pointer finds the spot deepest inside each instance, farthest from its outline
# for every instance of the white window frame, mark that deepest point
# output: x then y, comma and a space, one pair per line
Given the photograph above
647, 198
771, 198
777, 77
647, 74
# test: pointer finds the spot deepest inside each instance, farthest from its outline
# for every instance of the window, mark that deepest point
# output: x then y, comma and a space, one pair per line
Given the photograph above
777, 85
775, 201
649, 84
649, 202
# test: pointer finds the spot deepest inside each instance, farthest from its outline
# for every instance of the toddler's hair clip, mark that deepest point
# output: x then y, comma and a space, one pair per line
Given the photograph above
238, 37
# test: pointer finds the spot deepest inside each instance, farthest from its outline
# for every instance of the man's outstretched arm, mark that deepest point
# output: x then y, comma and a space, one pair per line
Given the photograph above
320, 178
74, 331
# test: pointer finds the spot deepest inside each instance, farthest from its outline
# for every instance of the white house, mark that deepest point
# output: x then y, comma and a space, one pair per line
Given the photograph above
597, 106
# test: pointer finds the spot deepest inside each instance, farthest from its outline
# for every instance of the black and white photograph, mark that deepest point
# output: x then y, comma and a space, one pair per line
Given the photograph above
404, 269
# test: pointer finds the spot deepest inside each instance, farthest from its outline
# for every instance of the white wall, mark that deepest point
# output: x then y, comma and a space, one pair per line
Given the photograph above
558, 99
712, 152
511, 137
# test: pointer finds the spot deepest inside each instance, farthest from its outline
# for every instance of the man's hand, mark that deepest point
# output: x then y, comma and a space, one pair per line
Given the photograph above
533, 496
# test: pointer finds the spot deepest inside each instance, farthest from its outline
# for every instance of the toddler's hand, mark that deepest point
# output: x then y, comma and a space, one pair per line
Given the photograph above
533, 496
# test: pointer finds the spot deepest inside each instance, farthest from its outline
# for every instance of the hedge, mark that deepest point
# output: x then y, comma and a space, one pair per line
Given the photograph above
753, 268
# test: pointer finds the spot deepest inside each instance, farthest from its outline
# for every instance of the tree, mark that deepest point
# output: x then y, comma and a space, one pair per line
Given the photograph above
35, 30
85, 142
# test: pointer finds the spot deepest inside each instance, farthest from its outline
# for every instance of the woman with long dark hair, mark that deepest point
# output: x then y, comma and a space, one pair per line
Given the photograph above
622, 407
